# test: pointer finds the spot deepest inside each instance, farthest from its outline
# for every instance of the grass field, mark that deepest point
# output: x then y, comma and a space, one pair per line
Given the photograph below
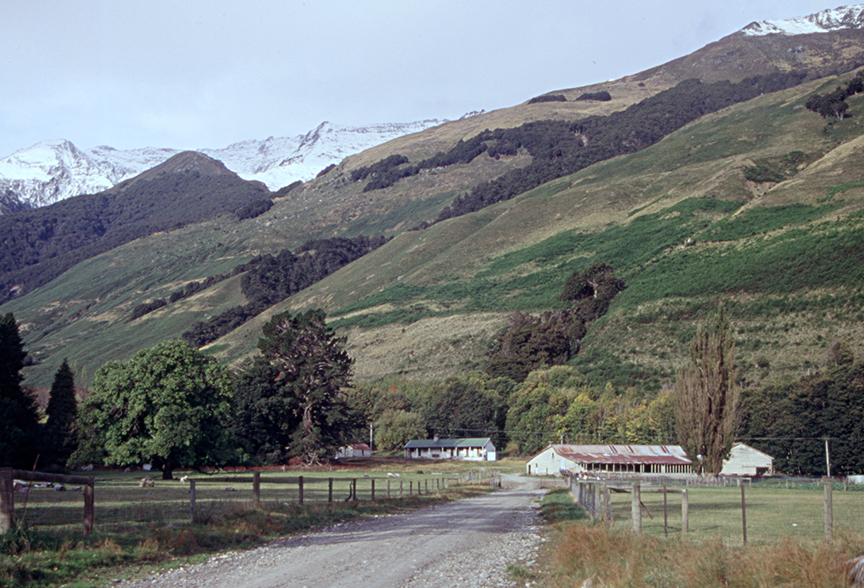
786, 543
773, 512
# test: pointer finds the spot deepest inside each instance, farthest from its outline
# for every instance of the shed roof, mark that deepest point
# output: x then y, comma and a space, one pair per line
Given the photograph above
447, 443
623, 454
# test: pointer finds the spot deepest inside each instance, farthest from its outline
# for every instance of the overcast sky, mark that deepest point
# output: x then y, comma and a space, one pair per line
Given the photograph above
193, 74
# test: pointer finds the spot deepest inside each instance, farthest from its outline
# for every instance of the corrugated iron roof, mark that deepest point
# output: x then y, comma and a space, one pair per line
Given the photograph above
624, 454
446, 443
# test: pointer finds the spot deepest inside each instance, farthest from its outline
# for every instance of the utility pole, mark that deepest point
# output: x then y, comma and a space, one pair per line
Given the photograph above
370, 436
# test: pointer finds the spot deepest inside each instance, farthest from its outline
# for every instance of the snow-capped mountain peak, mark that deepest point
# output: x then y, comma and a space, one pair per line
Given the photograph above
54, 170
844, 17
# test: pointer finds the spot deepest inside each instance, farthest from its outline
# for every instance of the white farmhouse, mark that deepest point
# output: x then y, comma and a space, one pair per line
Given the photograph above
480, 449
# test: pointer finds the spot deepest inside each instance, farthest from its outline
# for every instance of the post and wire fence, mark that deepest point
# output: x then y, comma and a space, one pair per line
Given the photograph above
117, 501
740, 510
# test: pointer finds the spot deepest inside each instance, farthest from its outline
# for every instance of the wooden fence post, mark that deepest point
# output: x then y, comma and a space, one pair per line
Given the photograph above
329, 489
829, 511
685, 512
89, 507
400, 488
7, 499
191, 501
426, 484
373, 489
300, 489
388, 488
256, 489
743, 514
636, 506
665, 513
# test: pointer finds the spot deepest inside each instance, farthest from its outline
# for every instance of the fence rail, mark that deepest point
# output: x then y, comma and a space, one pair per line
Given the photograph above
7, 494
127, 502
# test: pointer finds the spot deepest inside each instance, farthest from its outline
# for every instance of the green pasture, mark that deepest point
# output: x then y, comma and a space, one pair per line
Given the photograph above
122, 505
773, 512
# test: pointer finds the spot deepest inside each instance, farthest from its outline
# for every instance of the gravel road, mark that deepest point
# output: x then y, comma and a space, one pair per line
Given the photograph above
462, 544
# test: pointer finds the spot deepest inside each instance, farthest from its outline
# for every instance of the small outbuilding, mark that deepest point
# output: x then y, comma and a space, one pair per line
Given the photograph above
747, 461
478, 449
354, 450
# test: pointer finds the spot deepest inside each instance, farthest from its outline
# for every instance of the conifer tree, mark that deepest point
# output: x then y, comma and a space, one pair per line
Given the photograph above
60, 436
19, 422
707, 398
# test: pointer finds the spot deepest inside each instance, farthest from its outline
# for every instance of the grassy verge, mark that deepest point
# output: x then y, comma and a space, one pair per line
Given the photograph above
580, 550
135, 537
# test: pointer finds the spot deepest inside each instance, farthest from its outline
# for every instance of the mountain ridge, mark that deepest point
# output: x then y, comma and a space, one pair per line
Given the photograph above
54, 170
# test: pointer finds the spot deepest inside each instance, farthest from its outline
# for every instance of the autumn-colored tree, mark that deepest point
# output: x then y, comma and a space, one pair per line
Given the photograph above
707, 398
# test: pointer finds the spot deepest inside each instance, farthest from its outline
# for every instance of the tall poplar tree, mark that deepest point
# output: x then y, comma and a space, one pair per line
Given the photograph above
707, 398
19, 422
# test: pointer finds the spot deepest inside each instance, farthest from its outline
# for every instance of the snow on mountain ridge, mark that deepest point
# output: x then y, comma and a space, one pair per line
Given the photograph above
54, 170
844, 17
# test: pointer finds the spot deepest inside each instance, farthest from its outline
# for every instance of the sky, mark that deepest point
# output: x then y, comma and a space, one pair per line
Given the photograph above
196, 74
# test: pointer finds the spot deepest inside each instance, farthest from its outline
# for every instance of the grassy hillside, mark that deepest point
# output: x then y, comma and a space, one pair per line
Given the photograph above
680, 221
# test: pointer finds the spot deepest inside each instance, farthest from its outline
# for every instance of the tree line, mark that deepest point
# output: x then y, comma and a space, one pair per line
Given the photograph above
269, 279
295, 402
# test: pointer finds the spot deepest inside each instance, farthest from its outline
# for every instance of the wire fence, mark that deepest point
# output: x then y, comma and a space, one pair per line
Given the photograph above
737, 510
124, 502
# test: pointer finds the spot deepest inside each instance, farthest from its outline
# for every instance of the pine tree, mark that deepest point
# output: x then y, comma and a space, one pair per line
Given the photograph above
19, 422
312, 369
60, 436
707, 398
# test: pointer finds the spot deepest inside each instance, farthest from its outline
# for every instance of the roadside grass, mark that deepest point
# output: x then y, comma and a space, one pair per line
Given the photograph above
140, 530
785, 541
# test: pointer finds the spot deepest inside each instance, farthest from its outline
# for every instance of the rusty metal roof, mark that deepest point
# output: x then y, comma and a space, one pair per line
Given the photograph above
624, 454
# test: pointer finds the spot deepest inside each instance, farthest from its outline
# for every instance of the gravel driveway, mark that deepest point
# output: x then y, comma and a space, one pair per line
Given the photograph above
462, 544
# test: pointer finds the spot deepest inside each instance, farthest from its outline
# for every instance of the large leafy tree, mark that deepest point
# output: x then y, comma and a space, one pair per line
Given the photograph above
19, 422
707, 397
60, 436
312, 369
168, 406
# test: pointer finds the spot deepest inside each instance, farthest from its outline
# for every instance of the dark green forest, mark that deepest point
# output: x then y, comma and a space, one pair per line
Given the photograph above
38, 245
270, 279
560, 148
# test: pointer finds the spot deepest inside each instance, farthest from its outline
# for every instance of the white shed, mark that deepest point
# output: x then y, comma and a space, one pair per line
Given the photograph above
747, 461
355, 450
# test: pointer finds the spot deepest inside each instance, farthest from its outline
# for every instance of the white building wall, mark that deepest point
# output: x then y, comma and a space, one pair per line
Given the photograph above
747, 461
549, 463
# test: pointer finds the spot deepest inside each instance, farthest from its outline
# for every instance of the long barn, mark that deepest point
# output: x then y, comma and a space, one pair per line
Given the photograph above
641, 459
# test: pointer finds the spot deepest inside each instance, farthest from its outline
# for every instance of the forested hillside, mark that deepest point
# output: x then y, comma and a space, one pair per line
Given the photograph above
39, 245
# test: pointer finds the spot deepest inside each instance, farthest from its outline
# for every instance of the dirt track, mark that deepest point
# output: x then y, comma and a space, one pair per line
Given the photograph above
462, 544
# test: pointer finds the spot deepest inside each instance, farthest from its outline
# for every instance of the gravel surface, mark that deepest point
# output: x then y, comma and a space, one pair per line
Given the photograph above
462, 544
